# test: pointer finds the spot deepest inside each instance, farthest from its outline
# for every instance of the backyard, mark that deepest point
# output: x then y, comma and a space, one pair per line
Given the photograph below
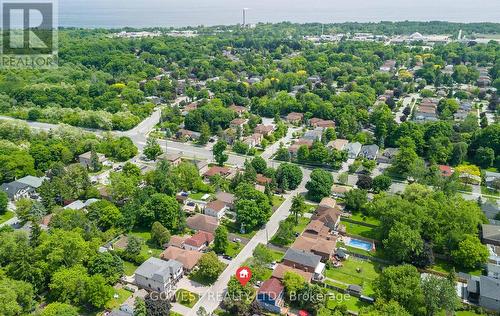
356, 271
360, 230
335, 299
123, 295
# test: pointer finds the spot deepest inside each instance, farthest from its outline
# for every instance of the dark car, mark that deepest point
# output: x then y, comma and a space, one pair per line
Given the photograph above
227, 257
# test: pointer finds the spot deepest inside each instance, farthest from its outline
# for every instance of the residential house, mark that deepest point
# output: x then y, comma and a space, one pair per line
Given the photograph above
187, 135
176, 241
388, 155
330, 217
217, 170
340, 191
313, 135
173, 159
317, 240
293, 149
227, 198
188, 108
328, 202
281, 269
446, 171
230, 135
158, 275
491, 234
34, 182
188, 258
80, 205
369, 151
271, 295
238, 109
315, 122
427, 110
490, 179
202, 222
85, 159
198, 241
263, 180
201, 165
338, 144
388, 66
238, 124
253, 140
294, 118
305, 261
264, 129
483, 290
353, 149
16, 190
216, 209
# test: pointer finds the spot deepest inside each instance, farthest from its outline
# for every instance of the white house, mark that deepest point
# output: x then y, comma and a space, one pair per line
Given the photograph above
158, 275
216, 209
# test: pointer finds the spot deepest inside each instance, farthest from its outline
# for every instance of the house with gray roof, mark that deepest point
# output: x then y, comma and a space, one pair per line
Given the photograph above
490, 178
32, 181
369, 151
80, 205
305, 261
489, 293
353, 149
491, 234
315, 134
16, 190
158, 275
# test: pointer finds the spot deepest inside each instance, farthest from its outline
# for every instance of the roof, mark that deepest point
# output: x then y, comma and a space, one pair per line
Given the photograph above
302, 257
328, 201
238, 121
199, 239
170, 157
489, 287
177, 241
157, 269
225, 197
261, 179
263, 129
295, 116
279, 272
216, 205
369, 149
188, 258
88, 155
216, 170
13, 187
272, 288
34, 182
354, 147
202, 222
354, 288
446, 171
79, 204
338, 144
491, 232
326, 215
315, 244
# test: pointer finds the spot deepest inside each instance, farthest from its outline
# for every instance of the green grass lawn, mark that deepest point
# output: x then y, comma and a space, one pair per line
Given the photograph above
359, 217
186, 298
445, 267
486, 191
348, 273
6, 216
117, 302
360, 230
174, 314
233, 249
233, 228
277, 255
335, 299
129, 267
198, 195
303, 222
277, 201
149, 249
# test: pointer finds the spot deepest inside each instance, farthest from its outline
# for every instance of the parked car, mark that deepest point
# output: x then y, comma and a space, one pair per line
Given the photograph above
227, 257
237, 240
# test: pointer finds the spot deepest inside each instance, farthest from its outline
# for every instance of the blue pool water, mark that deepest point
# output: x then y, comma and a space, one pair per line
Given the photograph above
356, 243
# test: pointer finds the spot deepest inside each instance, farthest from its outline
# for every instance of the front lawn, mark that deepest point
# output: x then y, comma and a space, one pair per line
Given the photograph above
234, 228
186, 298
277, 200
486, 191
360, 230
348, 273
6, 216
233, 249
123, 295
301, 226
129, 268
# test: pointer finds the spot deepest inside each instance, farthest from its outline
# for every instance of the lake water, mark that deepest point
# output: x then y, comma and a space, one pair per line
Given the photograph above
144, 13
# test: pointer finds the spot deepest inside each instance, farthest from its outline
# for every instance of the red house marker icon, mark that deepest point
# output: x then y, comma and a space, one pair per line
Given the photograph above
243, 274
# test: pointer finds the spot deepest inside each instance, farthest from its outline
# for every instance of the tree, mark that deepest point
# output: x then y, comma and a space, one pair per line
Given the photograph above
209, 268
218, 151
95, 164
250, 215
403, 242
311, 297
107, 264
105, 214
152, 149
221, 239
4, 201
165, 209
204, 134
470, 252
484, 157
134, 245
298, 206
381, 183
406, 157
288, 176
97, 292
356, 199
159, 234
59, 309
16, 297
263, 255
69, 285
364, 182
157, 304
259, 164
239, 297
320, 185
140, 307
439, 294
292, 282
401, 284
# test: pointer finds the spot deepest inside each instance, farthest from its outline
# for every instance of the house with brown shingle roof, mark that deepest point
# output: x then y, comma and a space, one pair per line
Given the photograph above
216, 209
202, 222
263, 180
238, 109
264, 129
227, 198
270, 295
328, 216
323, 247
217, 170
188, 258
281, 269
294, 118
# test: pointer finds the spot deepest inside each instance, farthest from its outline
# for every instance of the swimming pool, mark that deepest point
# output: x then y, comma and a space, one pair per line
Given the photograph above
360, 244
